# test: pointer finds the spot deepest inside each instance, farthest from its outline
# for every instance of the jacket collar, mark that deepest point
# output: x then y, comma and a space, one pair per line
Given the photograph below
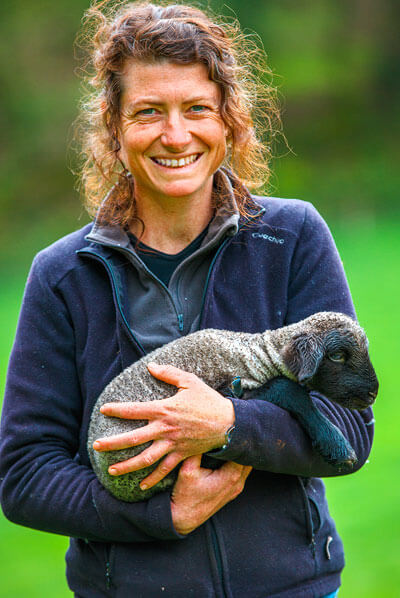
226, 219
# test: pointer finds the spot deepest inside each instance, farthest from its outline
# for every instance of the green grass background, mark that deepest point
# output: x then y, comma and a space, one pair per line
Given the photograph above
365, 505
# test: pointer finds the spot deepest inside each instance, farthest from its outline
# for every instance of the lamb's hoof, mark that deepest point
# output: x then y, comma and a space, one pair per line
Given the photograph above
353, 458
348, 464
341, 455
347, 461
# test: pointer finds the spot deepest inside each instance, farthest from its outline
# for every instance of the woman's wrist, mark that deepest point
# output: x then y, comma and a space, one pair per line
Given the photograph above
227, 424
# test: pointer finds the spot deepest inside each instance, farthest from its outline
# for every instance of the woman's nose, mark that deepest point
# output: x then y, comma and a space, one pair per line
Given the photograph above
175, 135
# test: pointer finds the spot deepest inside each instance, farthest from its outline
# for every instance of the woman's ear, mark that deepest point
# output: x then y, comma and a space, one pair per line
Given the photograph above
303, 355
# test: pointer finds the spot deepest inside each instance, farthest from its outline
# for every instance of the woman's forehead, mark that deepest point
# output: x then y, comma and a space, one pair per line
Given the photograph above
161, 81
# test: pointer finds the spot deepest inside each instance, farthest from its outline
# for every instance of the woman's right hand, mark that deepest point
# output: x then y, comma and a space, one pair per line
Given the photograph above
199, 493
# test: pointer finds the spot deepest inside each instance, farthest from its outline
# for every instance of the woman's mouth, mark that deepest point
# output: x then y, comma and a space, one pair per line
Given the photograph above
176, 162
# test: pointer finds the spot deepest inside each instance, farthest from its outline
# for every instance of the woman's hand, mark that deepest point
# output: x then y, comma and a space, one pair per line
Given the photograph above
191, 422
199, 493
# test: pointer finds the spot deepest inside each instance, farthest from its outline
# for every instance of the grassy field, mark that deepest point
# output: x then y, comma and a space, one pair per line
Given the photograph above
365, 505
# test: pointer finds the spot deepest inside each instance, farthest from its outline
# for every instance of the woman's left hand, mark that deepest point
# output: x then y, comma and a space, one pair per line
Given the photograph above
191, 422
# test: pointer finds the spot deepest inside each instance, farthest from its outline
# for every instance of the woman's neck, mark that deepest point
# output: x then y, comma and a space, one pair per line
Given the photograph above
172, 224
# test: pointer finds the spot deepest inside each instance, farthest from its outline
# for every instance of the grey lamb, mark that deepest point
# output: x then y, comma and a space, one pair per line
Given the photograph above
326, 352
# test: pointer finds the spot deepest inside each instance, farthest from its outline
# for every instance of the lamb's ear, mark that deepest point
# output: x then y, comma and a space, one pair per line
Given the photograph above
302, 356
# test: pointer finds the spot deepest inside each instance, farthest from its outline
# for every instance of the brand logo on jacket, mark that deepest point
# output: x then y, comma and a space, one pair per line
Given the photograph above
269, 238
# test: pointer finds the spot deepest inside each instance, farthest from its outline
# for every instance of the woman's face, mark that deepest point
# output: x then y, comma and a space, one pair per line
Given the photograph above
172, 135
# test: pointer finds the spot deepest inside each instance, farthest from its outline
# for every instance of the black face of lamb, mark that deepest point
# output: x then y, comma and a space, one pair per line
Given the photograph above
351, 381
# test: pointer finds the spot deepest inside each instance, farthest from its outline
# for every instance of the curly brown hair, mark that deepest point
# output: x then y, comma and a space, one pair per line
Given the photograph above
114, 32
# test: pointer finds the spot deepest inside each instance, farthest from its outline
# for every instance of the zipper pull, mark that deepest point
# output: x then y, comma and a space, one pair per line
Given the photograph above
180, 322
327, 549
313, 546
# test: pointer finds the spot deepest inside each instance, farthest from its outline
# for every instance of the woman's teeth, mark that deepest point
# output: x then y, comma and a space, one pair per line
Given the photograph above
176, 163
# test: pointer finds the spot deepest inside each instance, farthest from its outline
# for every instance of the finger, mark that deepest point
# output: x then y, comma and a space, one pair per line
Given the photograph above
233, 466
191, 469
166, 465
233, 476
148, 457
191, 463
132, 409
151, 431
241, 484
171, 375
231, 471
246, 472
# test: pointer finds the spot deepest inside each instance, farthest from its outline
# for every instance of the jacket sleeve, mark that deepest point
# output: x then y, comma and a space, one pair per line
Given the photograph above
43, 485
268, 437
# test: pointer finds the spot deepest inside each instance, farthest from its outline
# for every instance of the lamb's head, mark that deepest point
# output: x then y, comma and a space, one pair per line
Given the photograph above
329, 353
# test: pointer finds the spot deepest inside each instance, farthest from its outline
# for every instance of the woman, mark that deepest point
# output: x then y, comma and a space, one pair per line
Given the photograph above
178, 244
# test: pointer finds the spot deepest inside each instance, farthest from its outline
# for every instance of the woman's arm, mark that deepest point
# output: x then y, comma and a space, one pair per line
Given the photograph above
266, 436
43, 485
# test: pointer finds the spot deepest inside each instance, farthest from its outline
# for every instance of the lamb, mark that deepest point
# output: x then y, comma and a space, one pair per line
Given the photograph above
326, 352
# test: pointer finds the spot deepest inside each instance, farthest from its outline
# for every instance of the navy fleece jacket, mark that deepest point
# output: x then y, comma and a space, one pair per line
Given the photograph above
277, 538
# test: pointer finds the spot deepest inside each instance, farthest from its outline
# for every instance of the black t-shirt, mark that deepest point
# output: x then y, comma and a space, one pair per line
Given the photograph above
162, 264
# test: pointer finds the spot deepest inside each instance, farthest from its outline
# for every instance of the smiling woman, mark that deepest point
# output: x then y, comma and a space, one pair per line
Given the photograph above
229, 89
174, 131
172, 144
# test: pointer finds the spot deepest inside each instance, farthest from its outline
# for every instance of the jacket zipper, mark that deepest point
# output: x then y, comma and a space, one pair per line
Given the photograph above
110, 272
217, 554
217, 562
178, 312
309, 520
109, 556
214, 538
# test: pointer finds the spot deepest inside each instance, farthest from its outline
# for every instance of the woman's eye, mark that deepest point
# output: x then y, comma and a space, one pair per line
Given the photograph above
147, 112
198, 108
337, 357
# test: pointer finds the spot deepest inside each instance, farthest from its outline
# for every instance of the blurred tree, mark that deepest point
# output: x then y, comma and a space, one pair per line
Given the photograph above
336, 64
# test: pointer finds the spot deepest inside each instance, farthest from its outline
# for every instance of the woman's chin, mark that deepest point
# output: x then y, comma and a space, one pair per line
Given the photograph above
183, 189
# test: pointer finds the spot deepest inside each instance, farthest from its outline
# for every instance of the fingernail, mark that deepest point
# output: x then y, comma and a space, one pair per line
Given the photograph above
96, 445
112, 471
143, 486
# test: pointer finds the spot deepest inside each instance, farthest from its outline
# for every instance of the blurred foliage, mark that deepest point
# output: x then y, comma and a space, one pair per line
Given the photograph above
335, 65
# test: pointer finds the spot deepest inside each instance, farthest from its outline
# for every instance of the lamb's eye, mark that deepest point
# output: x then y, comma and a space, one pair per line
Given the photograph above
337, 356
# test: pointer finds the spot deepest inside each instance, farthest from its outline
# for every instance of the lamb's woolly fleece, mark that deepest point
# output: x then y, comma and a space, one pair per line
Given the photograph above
215, 356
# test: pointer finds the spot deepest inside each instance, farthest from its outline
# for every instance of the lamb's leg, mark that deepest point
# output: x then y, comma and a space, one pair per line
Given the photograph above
326, 438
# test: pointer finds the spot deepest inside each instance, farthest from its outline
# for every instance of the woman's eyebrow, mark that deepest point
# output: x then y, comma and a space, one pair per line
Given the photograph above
131, 104
156, 101
201, 99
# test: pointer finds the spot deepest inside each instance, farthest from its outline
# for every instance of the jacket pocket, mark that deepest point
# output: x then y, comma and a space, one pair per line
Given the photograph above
312, 515
326, 542
109, 552
90, 568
